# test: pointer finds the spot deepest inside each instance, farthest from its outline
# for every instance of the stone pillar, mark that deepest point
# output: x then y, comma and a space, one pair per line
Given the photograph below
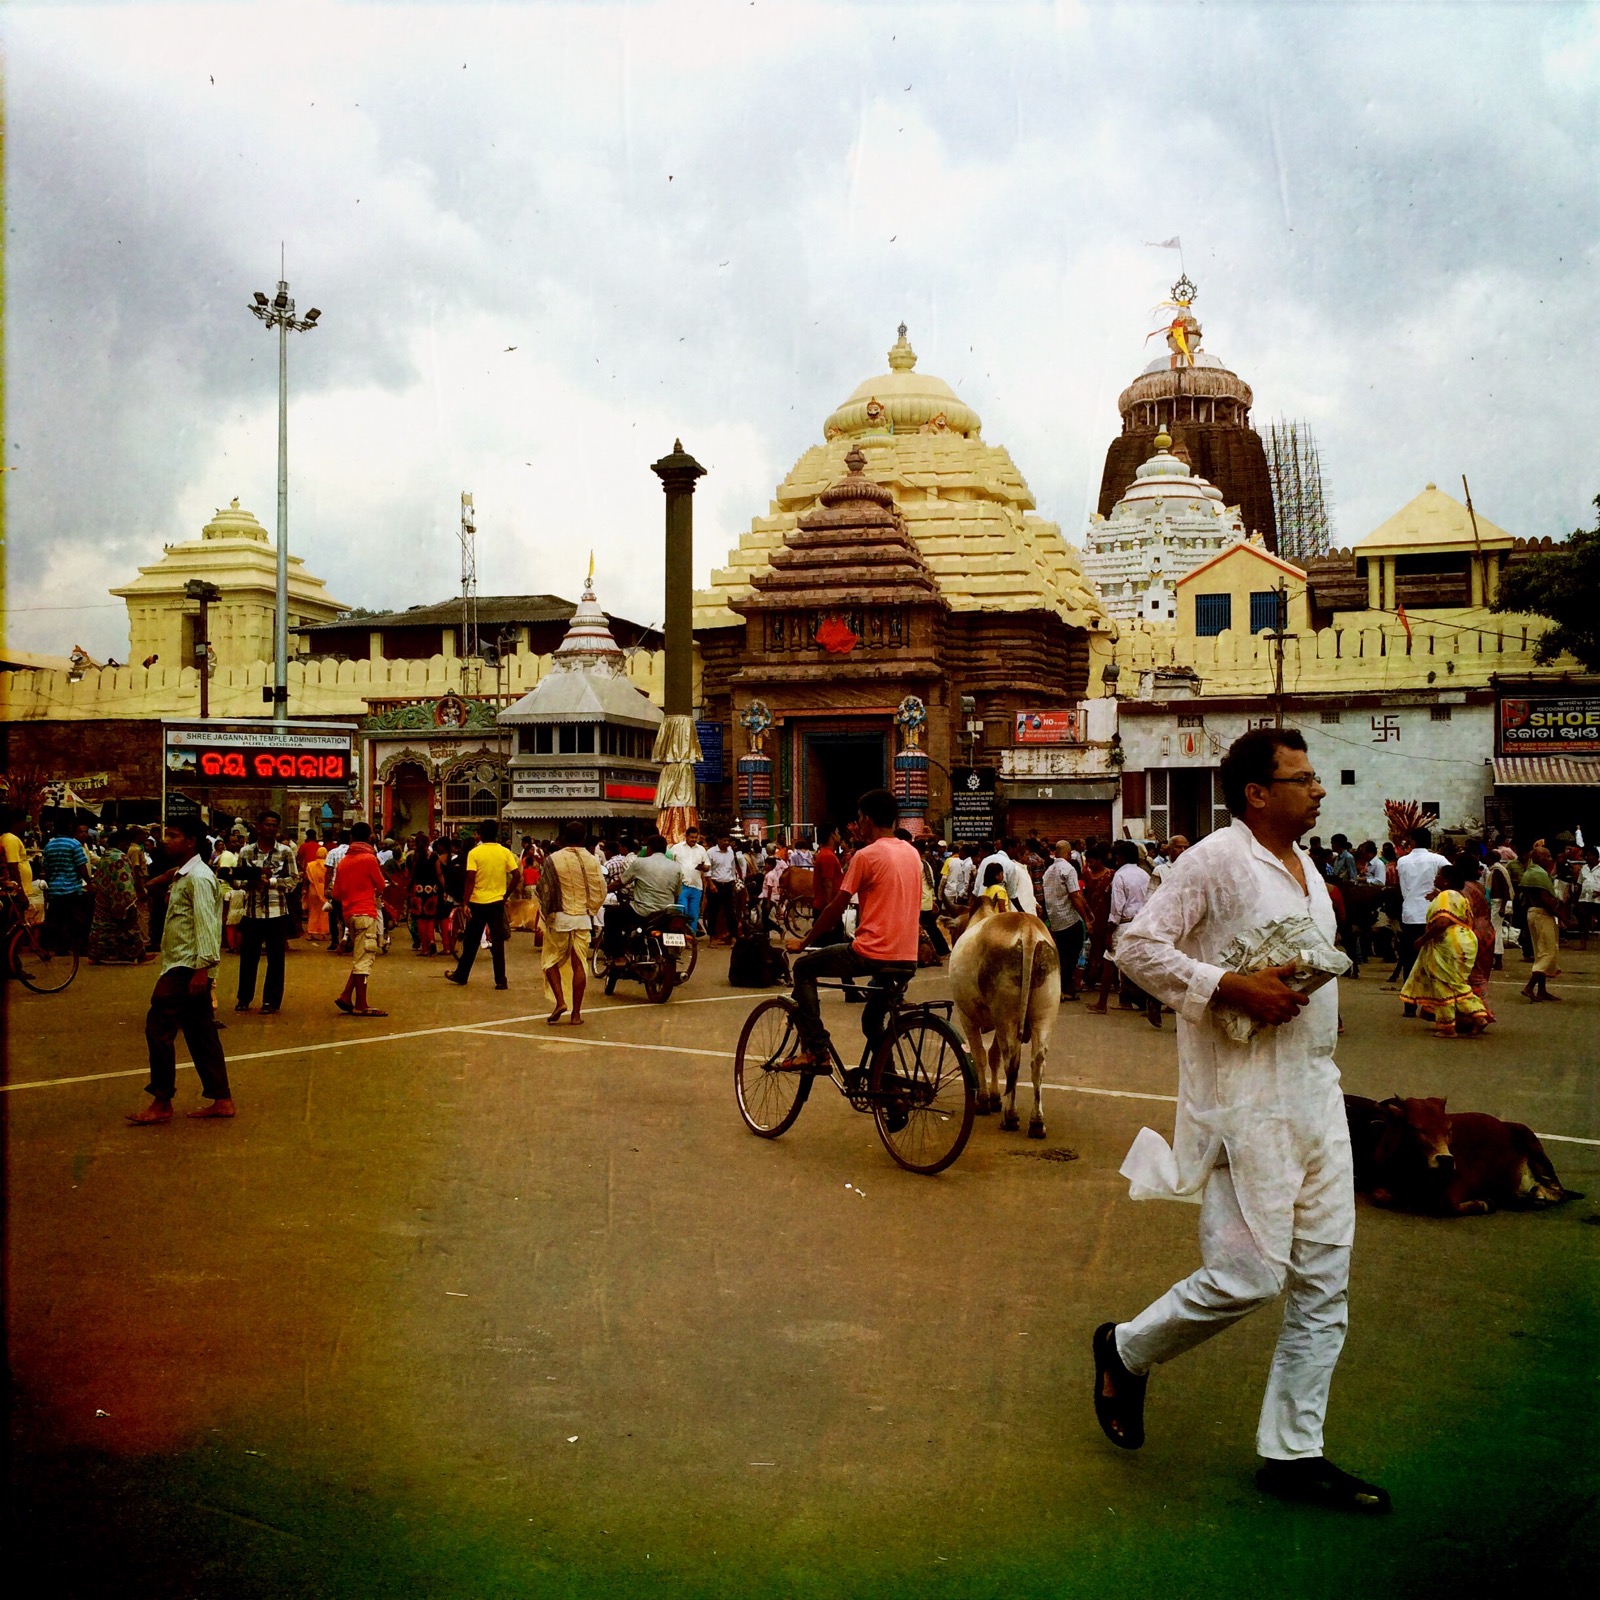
1374, 584
1475, 566
374, 645
1388, 584
677, 748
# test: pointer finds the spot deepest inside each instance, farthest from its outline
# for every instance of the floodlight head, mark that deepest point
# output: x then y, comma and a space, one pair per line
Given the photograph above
281, 299
261, 299
312, 315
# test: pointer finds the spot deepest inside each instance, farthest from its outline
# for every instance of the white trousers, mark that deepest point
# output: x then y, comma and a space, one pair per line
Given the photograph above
1236, 1280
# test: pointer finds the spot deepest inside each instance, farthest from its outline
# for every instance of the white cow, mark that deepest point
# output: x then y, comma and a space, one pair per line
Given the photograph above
1005, 977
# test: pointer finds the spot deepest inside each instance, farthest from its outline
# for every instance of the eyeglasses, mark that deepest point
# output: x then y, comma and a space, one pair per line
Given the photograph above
1301, 780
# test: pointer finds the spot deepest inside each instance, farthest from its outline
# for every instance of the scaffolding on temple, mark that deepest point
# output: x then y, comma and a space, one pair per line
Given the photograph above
1305, 524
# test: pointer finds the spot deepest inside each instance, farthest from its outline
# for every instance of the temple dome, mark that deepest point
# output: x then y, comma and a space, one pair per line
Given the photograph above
232, 523
902, 400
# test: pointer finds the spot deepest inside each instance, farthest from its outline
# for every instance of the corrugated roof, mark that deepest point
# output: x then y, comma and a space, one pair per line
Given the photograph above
494, 610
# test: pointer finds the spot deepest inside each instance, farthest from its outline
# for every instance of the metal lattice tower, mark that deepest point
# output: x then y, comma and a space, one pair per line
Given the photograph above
469, 579
1305, 525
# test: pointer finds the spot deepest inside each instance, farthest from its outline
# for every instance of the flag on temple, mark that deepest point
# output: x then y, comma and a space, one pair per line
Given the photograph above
1405, 621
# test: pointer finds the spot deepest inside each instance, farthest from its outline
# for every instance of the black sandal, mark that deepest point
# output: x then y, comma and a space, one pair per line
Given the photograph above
1120, 1415
1315, 1481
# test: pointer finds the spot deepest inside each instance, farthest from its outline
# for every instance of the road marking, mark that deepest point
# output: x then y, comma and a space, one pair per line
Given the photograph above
492, 1029
346, 1044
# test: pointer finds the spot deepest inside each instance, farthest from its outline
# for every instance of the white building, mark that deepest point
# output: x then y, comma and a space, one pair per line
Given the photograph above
1167, 524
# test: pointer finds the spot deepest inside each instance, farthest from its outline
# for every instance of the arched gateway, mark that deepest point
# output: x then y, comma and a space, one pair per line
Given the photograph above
901, 559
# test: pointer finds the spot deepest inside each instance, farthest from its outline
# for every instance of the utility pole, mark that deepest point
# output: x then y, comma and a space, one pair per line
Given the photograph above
278, 313
1279, 634
207, 594
469, 590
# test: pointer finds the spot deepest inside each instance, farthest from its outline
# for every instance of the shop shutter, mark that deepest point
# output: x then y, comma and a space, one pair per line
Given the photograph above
1158, 819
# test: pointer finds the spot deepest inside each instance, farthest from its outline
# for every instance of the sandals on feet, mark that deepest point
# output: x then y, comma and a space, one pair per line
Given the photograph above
344, 1005
1315, 1481
1121, 1414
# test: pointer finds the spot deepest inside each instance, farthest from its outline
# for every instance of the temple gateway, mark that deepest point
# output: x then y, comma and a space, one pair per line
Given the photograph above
900, 571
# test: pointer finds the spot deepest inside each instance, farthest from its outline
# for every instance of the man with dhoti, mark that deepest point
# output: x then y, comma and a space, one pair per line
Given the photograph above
1261, 1142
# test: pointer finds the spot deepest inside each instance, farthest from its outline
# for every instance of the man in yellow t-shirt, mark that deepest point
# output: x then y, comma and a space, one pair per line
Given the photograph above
491, 869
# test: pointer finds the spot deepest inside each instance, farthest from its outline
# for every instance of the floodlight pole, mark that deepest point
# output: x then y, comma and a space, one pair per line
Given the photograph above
279, 313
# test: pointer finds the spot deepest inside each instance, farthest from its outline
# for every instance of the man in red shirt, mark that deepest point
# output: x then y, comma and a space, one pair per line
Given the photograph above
885, 875
359, 886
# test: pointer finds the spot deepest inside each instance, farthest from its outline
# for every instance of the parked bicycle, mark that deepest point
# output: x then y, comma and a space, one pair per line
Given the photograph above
29, 956
914, 1077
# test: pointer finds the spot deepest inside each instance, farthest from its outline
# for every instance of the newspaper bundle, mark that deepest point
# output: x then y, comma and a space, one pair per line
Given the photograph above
1289, 939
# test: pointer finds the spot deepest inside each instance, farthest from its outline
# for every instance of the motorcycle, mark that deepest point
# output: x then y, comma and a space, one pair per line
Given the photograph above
658, 951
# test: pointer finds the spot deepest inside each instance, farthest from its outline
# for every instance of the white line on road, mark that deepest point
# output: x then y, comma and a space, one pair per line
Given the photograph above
563, 1034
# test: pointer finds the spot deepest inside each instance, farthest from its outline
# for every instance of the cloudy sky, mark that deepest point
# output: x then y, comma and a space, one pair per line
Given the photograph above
546, 239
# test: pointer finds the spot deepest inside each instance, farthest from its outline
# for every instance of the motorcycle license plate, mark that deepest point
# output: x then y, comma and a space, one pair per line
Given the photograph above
673, 941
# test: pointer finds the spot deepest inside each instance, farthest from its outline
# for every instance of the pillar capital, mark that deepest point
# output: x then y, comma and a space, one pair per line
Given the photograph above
678, 470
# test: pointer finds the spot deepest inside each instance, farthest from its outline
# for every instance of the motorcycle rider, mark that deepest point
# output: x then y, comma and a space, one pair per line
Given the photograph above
650, 883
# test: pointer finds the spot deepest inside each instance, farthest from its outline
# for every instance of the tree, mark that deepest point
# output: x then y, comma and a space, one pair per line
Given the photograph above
1563, 585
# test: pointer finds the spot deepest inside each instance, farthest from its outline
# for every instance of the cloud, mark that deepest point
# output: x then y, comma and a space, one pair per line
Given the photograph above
706, 223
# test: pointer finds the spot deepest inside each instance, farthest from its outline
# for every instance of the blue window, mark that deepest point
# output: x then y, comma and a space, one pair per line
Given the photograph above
1263, 610
1213, 614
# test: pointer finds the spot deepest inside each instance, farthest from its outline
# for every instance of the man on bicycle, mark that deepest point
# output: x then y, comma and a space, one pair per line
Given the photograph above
885, 875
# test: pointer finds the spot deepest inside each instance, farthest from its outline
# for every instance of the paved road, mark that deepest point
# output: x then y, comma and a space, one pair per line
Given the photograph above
462, 1305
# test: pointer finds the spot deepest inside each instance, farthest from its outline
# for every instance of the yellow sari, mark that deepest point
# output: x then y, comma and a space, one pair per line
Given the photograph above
1440, 981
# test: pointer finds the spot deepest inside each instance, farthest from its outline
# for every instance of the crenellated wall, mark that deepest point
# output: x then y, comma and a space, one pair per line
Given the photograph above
1349, 660
318, 687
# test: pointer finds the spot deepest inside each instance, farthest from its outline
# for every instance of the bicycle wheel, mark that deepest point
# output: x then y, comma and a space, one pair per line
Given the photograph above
923, 1092
798, 915
691, 954
599, 962
39, 967
770, 1094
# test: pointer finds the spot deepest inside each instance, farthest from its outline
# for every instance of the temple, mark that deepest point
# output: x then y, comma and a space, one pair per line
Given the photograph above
900, 568
1167, 523
1205, 411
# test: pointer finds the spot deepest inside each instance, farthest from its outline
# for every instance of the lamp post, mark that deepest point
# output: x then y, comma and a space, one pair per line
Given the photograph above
208, 594
278, 312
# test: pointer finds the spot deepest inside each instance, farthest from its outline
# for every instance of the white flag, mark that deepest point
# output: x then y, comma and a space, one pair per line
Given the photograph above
1174, 243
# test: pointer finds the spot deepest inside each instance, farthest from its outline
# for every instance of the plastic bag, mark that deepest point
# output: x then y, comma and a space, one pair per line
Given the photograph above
1290, 939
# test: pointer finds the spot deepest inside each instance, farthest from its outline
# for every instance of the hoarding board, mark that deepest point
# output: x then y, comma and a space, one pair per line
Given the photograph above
1555, 726
217, 755
1049, 727
972, 804
709, 768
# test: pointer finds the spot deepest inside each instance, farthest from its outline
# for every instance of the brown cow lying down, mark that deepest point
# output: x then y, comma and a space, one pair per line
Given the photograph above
1412, 1155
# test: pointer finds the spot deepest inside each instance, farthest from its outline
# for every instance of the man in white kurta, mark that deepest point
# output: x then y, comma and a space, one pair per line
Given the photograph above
1261, 1141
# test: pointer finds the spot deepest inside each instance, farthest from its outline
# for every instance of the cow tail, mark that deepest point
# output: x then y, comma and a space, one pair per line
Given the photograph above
1543, 1169
1025, 1030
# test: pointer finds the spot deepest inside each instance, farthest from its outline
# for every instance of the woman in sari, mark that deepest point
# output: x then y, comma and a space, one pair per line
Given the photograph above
317, 894
114, 934
1439, 984
1471, 870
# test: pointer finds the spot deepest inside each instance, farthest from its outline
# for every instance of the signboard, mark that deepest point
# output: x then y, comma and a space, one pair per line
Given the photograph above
709, 769
557, 788
1554, 726
972, 816
631, 790
217, 755
1049, 727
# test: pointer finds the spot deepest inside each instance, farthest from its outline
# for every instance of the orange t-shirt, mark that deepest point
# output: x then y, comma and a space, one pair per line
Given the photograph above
887, 878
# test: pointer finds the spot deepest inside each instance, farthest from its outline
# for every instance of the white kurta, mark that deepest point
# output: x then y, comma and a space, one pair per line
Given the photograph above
1272, 1109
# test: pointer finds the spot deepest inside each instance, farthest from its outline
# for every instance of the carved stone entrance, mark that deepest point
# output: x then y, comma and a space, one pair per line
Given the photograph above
839, 766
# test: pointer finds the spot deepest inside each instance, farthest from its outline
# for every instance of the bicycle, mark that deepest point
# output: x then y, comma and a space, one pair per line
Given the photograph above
31, 959
914, 1076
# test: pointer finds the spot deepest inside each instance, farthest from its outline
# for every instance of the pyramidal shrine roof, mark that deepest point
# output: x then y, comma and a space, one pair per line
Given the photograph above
967, 508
